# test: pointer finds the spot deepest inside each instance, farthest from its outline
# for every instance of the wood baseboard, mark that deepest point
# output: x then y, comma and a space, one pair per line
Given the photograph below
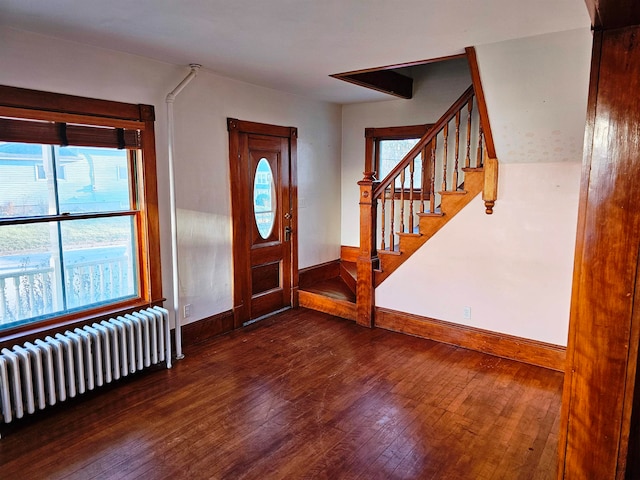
317, 273
494, 343
349, 254
207, 328
320, 303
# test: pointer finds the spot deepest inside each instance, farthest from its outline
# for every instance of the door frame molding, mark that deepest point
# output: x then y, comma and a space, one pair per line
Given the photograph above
240, 241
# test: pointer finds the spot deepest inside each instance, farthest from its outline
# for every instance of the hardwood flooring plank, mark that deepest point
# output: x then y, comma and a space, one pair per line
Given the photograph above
304, 395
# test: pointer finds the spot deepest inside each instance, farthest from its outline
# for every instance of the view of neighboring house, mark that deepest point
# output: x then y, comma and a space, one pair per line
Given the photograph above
46, 268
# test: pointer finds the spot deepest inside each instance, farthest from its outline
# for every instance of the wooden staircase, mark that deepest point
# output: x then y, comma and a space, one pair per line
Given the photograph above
429, 223
400, 213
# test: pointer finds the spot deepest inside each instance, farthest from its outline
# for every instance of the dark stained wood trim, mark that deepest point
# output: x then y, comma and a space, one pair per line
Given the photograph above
577, 267
493, 343
600, 400
400, 132
612, 14
385, 81
358, 77
244, 126
150, 216
482, 106
397, 66
332, 306
207, 328
293, 192
317, 273
57, 102
349, 254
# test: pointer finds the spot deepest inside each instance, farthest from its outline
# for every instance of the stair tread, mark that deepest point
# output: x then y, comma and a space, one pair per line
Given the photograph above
333, 288
473, 169
431, 214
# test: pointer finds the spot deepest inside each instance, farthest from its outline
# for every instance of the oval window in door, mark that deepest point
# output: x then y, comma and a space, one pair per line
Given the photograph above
264, 198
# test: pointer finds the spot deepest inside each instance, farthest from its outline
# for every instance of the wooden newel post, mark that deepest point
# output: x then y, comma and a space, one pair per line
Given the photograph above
490, 189
367, 257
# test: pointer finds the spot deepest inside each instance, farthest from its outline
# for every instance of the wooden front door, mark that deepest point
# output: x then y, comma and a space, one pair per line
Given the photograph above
264, 207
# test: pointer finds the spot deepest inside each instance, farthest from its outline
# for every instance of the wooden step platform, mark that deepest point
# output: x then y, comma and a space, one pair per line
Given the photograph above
331, 295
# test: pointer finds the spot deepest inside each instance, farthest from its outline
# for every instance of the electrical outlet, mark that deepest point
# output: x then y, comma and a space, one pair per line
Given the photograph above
187, 310
466, 313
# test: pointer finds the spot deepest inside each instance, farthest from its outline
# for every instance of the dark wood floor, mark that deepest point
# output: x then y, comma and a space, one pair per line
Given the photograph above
305, 395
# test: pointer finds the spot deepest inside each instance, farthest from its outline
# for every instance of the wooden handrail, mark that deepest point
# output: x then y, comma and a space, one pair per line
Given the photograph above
424, 141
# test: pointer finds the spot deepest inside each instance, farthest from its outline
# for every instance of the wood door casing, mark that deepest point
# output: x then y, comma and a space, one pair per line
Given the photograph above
265, 269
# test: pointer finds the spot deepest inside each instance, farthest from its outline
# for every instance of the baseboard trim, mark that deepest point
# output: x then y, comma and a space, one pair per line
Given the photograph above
523, 350
207, 328
349, 254
317, 273
320, 303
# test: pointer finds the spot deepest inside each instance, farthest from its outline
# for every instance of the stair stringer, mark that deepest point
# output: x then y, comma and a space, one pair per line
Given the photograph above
451, 204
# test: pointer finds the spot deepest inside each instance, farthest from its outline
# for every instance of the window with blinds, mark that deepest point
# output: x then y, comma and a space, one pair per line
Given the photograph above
78, 208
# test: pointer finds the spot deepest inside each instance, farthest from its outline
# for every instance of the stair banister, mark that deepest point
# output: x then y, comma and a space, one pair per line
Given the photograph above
424, 141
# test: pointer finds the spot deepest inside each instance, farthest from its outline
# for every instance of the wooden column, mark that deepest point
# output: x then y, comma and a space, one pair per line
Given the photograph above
600, 407
367, 258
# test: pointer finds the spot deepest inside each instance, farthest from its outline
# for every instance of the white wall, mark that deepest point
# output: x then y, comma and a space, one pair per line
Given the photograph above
514, 268
436, 87
535, 90
202, 171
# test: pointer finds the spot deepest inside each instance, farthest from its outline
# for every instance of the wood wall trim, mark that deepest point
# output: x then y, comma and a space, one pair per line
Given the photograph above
349, 254
493, 343
207, 328
57, 102
317, 273
611, 14
385, 81
482, 106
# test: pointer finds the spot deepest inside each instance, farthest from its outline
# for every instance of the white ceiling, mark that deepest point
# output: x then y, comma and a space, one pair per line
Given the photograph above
293, 45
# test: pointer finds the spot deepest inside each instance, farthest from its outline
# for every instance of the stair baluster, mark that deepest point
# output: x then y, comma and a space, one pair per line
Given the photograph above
454, 181
432, 183
423, 183
479, 157
411, 173
402, 200
445, 157
467, 162
392, 189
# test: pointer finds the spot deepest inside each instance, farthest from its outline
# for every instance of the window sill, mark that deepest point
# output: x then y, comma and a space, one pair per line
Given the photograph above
29, 332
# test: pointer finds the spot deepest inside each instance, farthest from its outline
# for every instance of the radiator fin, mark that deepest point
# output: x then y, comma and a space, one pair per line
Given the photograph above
50, 370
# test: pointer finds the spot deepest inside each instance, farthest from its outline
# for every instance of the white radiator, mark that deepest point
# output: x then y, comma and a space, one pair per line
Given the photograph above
48, 371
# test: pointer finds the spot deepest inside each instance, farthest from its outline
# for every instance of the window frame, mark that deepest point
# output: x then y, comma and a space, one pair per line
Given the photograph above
373, 137
137, 120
